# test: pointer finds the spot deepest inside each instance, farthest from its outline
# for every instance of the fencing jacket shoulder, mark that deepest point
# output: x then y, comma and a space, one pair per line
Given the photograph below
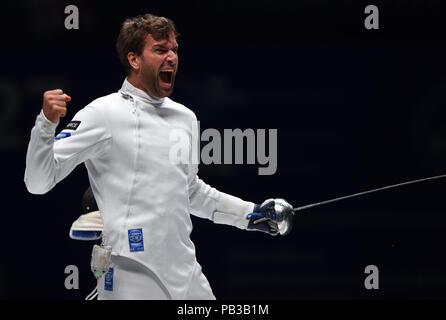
126, 140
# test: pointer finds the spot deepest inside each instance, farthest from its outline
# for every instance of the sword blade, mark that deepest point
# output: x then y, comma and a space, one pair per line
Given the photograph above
308, 206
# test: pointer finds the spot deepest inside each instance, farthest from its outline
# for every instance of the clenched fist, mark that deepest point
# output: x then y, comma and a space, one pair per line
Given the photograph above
55, 104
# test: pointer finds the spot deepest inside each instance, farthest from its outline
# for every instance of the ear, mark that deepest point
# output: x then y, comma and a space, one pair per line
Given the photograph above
134, 60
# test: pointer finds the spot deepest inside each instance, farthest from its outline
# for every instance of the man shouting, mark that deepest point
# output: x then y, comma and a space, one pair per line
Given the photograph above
144, 199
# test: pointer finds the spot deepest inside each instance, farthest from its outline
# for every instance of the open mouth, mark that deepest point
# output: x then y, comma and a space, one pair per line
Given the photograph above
166, 77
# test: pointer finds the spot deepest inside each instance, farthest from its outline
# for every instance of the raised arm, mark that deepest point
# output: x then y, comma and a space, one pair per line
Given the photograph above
49, 159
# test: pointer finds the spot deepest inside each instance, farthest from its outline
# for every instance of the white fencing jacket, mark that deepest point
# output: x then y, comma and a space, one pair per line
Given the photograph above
145, 199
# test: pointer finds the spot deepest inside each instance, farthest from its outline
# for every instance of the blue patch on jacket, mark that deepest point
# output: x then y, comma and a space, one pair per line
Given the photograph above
62, 135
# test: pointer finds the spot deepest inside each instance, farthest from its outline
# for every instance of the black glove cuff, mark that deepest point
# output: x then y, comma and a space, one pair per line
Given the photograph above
256, 208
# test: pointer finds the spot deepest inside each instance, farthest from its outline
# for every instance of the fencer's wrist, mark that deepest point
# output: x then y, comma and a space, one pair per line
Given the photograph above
46, 125
256, 207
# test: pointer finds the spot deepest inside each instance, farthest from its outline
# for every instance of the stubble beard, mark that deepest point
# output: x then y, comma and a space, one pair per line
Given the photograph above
150, 76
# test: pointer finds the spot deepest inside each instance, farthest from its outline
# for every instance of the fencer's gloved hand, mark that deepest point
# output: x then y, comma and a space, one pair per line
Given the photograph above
273, 216
260, 219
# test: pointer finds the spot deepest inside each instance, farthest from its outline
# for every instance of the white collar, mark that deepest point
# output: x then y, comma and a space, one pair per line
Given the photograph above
129, 89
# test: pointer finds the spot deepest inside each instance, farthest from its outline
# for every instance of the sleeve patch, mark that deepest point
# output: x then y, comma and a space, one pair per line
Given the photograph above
72, 125
63, 135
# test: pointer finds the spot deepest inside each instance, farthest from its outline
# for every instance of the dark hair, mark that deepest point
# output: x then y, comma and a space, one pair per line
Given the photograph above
134, 31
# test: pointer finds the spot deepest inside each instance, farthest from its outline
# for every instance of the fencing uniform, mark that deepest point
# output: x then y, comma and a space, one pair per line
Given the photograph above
145, 199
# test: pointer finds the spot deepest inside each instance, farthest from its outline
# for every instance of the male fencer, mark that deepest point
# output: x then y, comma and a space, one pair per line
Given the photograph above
144, 199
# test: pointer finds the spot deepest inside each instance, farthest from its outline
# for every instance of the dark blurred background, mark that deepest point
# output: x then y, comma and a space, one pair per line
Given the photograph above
355, 109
